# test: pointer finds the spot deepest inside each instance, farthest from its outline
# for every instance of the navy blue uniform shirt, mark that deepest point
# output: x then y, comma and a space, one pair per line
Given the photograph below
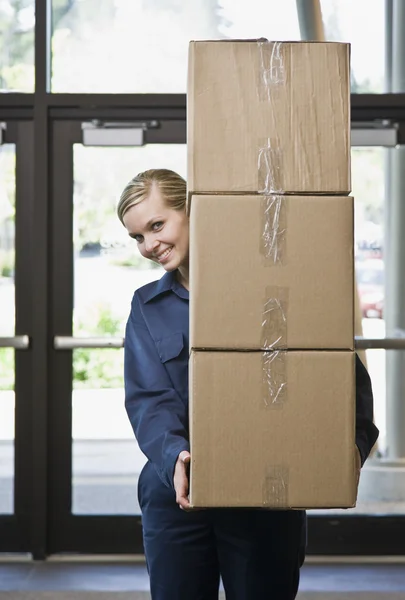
156, 377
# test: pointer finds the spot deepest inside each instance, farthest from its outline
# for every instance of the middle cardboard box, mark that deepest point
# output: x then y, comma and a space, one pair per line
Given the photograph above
271, 272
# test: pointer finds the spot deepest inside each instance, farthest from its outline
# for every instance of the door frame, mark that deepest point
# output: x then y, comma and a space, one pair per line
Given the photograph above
16, 528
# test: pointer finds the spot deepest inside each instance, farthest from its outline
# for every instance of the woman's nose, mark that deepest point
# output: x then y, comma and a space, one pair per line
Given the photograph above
151, 244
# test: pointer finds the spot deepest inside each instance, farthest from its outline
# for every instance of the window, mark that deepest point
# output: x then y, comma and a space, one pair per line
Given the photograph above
17, 22
362, 23
147, 42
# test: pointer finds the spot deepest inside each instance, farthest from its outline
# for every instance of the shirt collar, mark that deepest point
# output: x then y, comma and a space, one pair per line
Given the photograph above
168, 282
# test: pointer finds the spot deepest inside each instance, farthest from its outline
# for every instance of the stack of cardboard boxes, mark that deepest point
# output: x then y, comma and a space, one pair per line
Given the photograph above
272, 397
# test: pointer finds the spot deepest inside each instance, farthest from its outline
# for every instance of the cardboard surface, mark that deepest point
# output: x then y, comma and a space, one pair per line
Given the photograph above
268, 117
272, 433
271, 272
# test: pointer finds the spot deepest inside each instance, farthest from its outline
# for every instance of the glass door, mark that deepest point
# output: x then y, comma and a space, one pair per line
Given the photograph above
96, 269
376, 525
16, 184
94, 461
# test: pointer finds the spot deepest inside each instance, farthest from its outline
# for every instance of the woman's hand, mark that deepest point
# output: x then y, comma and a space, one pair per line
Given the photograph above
180, 479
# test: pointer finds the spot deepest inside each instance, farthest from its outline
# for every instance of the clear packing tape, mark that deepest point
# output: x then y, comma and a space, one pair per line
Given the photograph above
274, 379
273, 249
272, 75
276, 478
274, 335
274, 252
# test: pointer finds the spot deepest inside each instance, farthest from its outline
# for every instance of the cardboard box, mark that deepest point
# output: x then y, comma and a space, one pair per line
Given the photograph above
268, 117
274, 430
271, 272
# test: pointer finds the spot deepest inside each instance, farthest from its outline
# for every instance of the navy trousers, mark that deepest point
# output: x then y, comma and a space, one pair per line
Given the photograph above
257, 553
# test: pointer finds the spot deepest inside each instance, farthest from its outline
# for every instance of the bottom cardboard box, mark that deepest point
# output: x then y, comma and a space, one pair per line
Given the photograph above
273, 429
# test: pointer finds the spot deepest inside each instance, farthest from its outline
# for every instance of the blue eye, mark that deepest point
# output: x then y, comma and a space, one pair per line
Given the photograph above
157, 225
137, 237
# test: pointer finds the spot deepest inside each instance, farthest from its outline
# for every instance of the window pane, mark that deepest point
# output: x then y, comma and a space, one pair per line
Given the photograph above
7, 326
7, 405
381, 489
344, 21
106, 457
108, 269
148, 40
17, 22
368, 169
7, 237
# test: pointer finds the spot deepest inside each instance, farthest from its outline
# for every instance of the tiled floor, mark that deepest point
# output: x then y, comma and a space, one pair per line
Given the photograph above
117, 579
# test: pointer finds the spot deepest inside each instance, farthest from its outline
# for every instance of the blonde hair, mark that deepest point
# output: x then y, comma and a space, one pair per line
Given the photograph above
171, 185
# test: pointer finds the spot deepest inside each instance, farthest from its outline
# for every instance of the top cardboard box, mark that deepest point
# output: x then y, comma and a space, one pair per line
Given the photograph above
268, 117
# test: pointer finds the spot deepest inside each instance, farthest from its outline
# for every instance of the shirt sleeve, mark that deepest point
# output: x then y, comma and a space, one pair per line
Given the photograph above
366, 431
157, 413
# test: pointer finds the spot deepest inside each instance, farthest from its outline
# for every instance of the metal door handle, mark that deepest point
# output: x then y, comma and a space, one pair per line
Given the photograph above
19, 342
64, 342
395, 343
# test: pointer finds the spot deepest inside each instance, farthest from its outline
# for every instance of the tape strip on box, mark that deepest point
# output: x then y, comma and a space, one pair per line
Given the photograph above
274, 319
272, 68
273, 242
275, 487
276, 479
274, 379
269, 165
271, 79
273, 248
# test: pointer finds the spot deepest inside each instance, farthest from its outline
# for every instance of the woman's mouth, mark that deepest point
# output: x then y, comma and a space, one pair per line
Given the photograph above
163, 257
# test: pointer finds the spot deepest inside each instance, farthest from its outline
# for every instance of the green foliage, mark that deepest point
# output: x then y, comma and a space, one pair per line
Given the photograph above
17, 45
6, 369
97, 320
19, 77
6, 263
98, 368
7, 175
92, 368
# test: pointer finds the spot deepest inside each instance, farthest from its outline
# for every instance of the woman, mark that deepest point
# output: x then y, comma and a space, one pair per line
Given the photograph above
257, 553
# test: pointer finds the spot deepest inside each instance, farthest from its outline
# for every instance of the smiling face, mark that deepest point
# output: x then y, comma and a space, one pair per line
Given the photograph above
162, 233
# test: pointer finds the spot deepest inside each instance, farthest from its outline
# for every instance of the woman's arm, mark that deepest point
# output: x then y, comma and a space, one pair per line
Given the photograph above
366, 431
157, 413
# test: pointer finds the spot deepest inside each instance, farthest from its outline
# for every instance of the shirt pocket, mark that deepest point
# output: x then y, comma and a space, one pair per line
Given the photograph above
174, 357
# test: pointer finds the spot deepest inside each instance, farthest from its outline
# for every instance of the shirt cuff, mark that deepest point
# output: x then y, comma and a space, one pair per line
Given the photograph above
171, 458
